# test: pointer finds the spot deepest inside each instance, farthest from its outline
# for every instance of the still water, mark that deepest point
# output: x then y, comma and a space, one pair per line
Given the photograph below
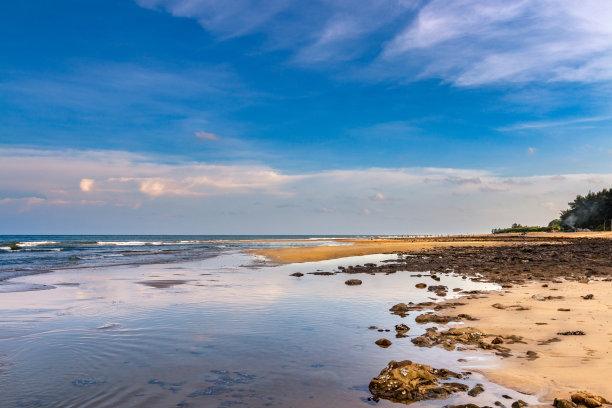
236, 333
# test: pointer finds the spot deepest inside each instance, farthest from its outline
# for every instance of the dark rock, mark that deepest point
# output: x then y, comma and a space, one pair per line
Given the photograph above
572, 333
384, 343
478, 389
321, 273
406, 381
588, 297
519, 404
297, 274
421, 285
437, 288
353, 282
563, 403
401, 328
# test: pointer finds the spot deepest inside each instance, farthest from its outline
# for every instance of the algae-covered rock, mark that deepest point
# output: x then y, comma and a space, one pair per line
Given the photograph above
406, 382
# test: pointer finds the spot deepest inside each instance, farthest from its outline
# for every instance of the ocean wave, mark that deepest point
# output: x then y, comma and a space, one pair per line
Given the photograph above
29, 244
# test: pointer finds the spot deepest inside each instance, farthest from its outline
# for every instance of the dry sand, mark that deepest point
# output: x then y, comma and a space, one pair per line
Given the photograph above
575, 362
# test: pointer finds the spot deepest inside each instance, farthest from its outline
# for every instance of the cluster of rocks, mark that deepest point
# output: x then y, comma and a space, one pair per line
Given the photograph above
581, 399
450, 338
508, 264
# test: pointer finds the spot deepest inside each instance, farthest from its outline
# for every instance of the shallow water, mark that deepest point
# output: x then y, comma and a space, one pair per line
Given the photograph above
237, 333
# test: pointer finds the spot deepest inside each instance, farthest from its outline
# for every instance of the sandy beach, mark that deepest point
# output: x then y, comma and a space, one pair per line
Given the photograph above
556, 286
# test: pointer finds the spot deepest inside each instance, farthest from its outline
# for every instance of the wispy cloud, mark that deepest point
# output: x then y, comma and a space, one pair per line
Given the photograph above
531, 150
206, 136
554, 123
465, 42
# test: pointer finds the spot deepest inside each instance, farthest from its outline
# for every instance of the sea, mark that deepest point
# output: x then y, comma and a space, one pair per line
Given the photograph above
31, 254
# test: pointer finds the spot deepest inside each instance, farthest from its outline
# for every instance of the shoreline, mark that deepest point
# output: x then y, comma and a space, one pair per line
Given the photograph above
543, 279
360, 247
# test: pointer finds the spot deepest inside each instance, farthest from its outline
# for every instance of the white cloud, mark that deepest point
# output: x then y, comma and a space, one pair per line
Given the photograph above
116, 185
206, 136
466, 42
531, 150
86, 184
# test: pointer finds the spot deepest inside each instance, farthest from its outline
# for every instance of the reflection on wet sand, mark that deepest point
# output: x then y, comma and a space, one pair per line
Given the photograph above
230, 333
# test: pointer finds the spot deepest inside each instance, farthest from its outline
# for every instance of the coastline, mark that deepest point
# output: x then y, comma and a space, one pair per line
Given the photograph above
551, 303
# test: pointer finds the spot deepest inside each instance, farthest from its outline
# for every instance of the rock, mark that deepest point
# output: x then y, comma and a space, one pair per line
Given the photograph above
588, 297
499, 404
462, 406
373, 328
420, 285
563, 403
572, 333
401, 328
531, 355
562, 309
497, 340
478, 389
384, 343
353, 282
498, 306
400, 309
437, 288
321, 273
519, 404
589, 399
297, 274
406, 381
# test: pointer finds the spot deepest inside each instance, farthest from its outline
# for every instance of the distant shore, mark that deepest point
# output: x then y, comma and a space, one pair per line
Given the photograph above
364, 246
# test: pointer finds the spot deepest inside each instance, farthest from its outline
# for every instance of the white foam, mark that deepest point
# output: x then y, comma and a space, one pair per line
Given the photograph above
35, 243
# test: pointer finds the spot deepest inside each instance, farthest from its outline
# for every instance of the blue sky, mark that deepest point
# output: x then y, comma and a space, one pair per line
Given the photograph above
201, 116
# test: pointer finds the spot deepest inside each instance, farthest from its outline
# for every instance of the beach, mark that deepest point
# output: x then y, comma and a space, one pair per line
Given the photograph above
239, 327
558, 301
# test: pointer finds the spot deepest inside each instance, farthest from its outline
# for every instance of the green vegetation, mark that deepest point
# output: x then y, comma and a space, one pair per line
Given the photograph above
593, 212
520, 228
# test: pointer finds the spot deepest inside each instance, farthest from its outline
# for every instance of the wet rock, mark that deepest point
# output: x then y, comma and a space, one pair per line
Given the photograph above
373, 328
499, 404
497, 340
519, 404
588, 297
384, 343
297, 274
572, 333
406, 381
401, 309
562, 309
478, 389
437, 288
420, 285
434, 318
353, 282
462, 406
588, 399
401, 328
563, 403
321, 273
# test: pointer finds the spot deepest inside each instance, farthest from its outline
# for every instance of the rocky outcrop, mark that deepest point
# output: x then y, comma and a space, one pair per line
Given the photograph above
406, 382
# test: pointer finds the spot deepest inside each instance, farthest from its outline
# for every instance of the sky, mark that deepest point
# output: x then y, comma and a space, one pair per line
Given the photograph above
293, 117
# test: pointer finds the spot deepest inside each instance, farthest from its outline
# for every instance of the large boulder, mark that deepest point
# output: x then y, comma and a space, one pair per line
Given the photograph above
406, 381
